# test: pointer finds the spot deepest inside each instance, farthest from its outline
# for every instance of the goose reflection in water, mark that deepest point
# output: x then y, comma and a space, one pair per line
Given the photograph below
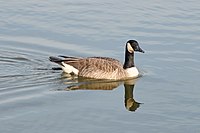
79, 83
129, 100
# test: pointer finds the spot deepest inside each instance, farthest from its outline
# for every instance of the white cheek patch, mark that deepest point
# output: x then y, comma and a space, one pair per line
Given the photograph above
129, 47
69, 69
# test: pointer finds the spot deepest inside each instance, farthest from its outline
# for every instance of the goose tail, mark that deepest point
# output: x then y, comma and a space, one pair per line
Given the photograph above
56, 60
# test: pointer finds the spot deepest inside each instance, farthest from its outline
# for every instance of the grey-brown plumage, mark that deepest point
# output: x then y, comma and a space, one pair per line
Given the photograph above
101, 67
95, 67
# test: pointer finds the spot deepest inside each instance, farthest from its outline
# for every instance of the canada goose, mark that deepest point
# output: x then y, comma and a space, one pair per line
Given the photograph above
102, 67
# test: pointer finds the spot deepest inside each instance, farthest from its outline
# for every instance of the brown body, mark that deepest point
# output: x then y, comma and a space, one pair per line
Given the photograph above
97, 67
102, 67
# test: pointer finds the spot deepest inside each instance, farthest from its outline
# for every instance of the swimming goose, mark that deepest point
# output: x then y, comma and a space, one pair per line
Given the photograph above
102, 67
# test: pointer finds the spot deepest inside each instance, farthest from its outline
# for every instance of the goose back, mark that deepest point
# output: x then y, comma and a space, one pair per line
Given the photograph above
97, 67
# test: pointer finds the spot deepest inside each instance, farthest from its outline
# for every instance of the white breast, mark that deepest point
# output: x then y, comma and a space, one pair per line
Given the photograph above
132, 72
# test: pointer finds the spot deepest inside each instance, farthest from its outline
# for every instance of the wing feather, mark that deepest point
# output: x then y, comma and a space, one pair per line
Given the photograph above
96, 67
101, 68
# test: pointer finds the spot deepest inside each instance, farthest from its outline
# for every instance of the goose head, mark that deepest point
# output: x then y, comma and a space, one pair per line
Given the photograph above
132, 46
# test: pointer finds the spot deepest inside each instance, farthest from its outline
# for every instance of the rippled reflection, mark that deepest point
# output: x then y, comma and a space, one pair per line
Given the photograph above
129, 100
78, 83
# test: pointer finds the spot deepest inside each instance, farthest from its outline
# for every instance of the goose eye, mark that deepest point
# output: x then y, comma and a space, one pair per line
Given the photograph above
136, 47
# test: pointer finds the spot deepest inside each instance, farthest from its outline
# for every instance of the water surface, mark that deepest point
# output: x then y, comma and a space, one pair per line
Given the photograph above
35, 98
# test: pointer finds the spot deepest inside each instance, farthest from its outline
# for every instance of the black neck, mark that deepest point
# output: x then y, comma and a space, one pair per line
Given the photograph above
129, 60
